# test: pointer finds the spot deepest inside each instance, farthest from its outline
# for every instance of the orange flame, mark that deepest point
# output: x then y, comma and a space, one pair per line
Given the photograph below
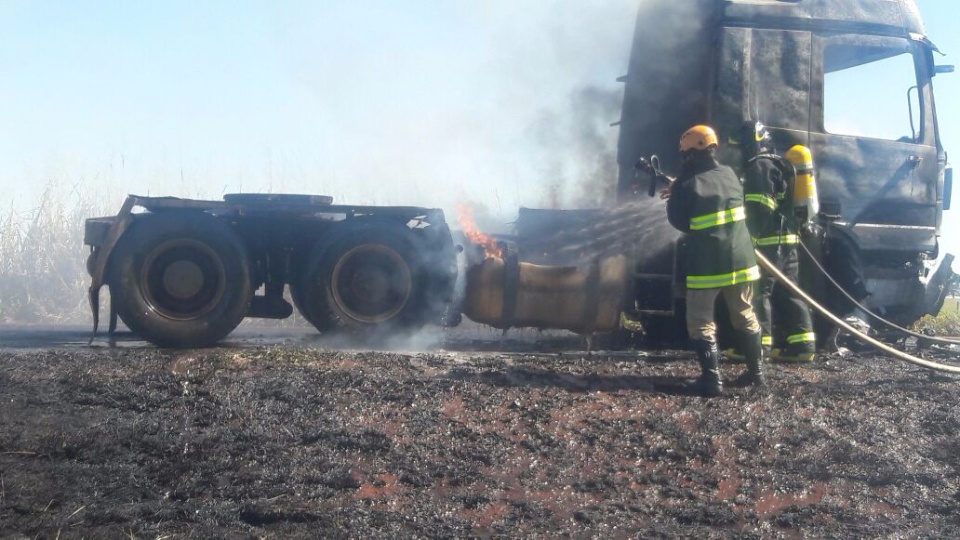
474, 234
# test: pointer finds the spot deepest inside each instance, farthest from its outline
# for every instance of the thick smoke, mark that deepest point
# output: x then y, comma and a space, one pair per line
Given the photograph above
484, 102
659, 102
579, 149
492, 104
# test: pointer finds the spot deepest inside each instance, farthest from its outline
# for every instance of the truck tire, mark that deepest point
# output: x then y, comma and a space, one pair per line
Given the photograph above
180, 279
306, 303
366, 280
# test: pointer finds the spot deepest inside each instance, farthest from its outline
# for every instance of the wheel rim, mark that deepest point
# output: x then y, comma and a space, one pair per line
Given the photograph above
183, 279
371, 283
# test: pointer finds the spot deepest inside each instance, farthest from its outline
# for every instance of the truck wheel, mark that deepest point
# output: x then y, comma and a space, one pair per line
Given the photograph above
181, 279
306, 303
367, 281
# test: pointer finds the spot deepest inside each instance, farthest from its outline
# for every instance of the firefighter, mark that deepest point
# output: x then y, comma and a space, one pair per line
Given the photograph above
775, 214
706, 202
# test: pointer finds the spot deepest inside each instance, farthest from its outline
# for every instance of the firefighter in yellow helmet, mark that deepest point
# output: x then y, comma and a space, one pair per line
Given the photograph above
706, 202
775, 213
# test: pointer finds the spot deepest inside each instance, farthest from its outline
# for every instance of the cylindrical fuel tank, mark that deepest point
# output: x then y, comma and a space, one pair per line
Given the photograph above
505, 293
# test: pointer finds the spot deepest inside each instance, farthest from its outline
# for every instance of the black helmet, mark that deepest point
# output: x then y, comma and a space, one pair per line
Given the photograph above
755, 138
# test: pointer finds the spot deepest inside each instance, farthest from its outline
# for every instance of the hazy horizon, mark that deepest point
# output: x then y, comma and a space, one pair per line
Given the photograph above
428, 103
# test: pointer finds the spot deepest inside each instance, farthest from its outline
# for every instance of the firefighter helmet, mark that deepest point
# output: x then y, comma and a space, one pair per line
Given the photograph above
698, 138
756, 138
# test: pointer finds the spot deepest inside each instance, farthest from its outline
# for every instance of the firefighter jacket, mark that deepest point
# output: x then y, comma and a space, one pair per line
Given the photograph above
770, 210
706, 202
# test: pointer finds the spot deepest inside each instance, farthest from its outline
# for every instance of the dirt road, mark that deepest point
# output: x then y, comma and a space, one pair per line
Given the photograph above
284, 437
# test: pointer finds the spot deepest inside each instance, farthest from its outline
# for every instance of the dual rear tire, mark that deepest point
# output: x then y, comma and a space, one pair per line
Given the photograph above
180, 279
365, 280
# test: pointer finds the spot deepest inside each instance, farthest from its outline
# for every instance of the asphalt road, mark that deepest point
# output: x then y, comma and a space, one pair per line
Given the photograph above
467, 337
29, 337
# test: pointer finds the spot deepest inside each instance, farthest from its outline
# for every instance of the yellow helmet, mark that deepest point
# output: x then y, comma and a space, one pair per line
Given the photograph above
698, 138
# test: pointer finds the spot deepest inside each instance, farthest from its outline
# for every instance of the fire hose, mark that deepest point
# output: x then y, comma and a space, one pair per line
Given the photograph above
874, 316
786, 167
769, 267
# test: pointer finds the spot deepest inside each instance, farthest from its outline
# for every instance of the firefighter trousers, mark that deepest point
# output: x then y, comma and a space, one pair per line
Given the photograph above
784, 318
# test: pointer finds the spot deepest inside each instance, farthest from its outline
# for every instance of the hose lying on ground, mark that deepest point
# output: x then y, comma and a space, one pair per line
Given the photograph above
930, 339
769, 267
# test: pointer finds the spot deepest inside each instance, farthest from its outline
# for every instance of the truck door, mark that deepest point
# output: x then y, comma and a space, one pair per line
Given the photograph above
763, 75
873, 138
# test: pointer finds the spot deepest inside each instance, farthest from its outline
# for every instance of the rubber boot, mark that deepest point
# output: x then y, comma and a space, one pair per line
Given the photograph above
708, 384
753, 351
794, 353
735, 354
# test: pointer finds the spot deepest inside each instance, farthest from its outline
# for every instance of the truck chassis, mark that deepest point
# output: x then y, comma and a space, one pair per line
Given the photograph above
185, 273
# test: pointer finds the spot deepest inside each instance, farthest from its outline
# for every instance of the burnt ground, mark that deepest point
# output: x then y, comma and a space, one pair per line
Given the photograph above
294, 439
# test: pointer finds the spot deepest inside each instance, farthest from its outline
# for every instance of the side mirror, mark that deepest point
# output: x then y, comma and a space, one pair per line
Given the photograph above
944, 68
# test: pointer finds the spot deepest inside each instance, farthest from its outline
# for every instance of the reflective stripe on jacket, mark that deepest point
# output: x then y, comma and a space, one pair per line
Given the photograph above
762, 199
715, 219
777, 240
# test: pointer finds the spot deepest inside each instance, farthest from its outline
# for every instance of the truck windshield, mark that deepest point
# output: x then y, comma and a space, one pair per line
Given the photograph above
867, 88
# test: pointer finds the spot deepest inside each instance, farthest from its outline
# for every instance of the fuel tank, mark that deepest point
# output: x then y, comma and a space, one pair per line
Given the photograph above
506, 293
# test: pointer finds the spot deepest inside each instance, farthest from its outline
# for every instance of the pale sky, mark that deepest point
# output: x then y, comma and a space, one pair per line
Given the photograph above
425, 102
387, 102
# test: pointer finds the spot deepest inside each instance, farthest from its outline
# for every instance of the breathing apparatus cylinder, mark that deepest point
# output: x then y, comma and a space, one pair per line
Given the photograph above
805, 200
806, 206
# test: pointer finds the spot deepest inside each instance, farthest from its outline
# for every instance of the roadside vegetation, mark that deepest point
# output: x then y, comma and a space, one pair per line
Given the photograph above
42, 258
947, 322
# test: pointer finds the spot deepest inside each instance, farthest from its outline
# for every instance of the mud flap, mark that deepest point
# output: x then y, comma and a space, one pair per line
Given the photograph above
113, 316
93, 296
99, 266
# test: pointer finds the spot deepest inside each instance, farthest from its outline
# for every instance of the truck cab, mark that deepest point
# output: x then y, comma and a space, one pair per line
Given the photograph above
805, 68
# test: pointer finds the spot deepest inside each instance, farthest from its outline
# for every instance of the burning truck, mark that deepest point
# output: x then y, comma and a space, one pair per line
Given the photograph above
785, 63
185, 273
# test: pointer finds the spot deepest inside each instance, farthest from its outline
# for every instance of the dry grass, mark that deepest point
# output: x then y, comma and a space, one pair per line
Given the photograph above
947, 322
42, 257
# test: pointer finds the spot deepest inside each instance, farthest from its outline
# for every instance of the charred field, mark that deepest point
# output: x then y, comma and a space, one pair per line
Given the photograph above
468, 440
